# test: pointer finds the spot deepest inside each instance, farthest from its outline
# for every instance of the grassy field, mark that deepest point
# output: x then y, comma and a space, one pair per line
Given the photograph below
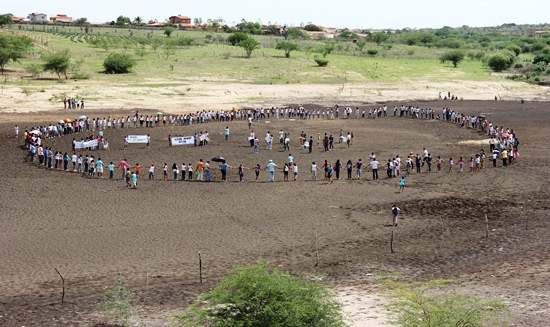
213, 61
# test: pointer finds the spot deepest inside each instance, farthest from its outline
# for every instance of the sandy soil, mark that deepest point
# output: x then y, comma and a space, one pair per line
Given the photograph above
199, 95
91, 230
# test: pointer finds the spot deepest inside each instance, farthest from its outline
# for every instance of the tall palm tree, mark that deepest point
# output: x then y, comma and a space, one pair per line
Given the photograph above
138, 20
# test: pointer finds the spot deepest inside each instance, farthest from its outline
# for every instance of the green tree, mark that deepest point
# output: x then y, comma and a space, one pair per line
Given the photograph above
544, 58
312, 28
168, 30
379, 37
414, 307
34, 68
119, 303
249, 45
236, 38
327, 49
58, 62
321, 62
454, 56
118, 63
81, 21
361, 44
260, 295
6, 19
501, 60
138, 21
121, 20
287, 47
514, 48
12, 48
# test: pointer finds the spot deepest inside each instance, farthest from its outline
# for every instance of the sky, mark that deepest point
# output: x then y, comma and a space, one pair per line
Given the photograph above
366, 14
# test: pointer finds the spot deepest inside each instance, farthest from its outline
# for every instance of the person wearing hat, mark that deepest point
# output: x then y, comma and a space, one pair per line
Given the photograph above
271, 167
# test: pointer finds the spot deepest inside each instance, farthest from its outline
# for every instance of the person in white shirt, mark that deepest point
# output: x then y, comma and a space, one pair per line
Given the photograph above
374, 166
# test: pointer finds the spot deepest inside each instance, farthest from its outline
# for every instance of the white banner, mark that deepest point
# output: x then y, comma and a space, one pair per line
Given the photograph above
183, 140
85, 144
137, 138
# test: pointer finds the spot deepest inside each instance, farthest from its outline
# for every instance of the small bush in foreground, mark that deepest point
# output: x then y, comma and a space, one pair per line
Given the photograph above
118, 63
260, 295
321, 62
119, 303
420, 305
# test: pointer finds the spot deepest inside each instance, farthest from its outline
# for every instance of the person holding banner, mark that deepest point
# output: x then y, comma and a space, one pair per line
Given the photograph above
148, 140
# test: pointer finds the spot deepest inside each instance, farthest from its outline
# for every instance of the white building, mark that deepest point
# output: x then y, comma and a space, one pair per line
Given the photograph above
37, 17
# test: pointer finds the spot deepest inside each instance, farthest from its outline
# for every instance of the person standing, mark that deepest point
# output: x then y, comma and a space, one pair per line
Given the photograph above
374, 166
359, 165
190, 172
349, 167
152, 172
223, 170
111, 170
148, 140
314, 169
123, 165
295, 171
337, 167
271, 166
200, 170
310, 143
504, 156
329, 174
99, 165
402, 184
134, 180
395, 213
207, 170
165, 171
175, 171
256, 143
226, 133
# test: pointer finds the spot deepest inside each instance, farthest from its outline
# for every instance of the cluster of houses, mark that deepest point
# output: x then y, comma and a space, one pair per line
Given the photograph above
183, 22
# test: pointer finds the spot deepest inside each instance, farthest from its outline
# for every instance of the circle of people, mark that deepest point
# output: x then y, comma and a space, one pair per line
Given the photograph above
503, 144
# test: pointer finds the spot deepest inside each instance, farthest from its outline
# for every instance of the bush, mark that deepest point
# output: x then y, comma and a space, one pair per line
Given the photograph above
545, 58
514, 48
501, 61
414, 307
119, 303
372, 52
321, 62
260, 295
118, 63
454, 56
236, 38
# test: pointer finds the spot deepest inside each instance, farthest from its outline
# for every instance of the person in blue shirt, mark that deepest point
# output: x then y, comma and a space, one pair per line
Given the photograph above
111, 170
271, 168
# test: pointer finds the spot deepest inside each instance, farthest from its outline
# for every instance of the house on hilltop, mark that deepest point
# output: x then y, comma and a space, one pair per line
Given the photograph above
181, 21
37, 17
17, 19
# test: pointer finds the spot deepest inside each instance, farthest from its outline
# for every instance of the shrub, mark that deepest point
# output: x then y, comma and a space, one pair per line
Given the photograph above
372, 52
118, 63
321, 62
545, 58
501, 61
414, 307
119, 303
514, 48
454, 56
236, 38
260, 295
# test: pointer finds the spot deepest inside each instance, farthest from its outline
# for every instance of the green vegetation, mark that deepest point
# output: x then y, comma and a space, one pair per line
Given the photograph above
287, 47
6, 19
58, 62
119, 303
425, 305
12, 48
260, 295
118, 63
199, 53
249, 45
321, 62
454, 56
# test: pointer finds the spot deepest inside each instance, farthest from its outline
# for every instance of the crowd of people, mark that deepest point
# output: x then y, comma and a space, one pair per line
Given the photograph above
503, 144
